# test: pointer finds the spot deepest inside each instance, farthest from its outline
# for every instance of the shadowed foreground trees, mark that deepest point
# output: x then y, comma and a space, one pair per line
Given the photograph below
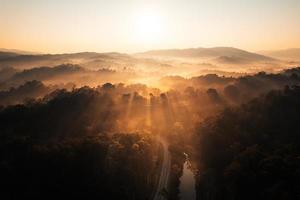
61, 147
252, 151
95, 167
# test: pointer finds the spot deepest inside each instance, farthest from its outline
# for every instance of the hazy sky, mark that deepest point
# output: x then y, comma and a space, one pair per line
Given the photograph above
137, 25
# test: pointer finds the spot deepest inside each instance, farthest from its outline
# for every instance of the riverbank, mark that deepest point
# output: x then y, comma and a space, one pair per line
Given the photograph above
187, 187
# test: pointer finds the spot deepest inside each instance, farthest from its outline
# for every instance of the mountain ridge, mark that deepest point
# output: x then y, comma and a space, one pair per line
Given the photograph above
212, 52
288, 54
222, 55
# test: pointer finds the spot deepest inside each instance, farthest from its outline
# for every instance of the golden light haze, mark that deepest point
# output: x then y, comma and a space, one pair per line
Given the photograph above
60, 26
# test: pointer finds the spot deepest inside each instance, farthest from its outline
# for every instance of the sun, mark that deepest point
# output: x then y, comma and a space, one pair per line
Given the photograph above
149, 27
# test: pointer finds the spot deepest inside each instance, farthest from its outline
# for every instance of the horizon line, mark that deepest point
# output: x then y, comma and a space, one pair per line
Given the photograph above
32, 52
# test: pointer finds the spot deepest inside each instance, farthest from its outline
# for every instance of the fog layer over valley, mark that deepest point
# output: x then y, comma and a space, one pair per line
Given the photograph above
89, 68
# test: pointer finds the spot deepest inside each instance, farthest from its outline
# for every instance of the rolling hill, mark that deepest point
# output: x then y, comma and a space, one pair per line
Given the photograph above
222, 54
285, 54
11, 59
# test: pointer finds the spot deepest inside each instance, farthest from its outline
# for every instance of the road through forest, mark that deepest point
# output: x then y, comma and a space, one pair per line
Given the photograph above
165, 172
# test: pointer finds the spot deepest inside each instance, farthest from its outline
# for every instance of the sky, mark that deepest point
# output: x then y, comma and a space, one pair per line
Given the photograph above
57, 26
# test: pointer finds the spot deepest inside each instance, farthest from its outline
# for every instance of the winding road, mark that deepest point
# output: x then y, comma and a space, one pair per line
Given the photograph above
165, 171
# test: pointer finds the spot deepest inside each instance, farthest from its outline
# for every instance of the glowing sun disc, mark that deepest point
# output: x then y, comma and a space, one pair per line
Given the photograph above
148, 27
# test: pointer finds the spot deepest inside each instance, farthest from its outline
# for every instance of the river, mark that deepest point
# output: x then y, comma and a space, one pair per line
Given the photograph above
187, 183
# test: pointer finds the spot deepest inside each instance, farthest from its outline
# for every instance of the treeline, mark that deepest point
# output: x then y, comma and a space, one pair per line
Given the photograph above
66, 146
61, 74
222, 90
251, 151
236, 90
28, 91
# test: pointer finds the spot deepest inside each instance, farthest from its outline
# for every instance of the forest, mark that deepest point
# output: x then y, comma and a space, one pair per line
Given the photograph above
251, 151
68, 141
